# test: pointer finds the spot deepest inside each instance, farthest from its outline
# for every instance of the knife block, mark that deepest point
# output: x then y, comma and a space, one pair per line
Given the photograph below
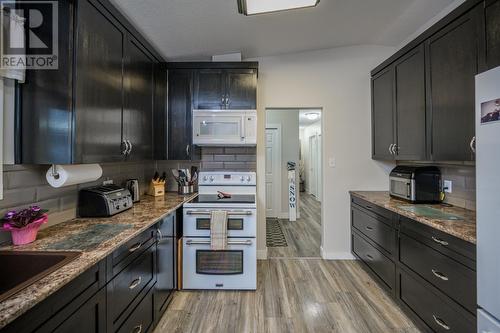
156, 189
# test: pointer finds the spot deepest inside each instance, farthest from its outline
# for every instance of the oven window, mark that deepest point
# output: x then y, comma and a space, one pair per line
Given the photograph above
226, 262
400, 188
232, 224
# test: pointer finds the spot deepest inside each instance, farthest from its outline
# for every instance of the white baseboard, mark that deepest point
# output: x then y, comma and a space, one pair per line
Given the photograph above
336, 255
262, 254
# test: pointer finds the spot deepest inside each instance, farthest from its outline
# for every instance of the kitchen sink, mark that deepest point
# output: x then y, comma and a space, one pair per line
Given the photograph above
20, 269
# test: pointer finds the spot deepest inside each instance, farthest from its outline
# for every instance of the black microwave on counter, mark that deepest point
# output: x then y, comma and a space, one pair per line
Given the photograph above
416, 184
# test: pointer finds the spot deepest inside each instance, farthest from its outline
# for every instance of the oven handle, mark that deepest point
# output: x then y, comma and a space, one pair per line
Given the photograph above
199, 212
207, 242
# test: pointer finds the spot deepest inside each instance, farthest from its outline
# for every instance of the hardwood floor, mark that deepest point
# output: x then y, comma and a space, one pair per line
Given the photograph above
293, 295
304, 235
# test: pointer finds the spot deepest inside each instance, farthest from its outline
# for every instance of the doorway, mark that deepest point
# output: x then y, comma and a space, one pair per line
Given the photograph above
293, 137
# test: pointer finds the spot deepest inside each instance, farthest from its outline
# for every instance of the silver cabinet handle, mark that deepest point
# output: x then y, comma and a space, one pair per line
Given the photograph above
160, 235
369, 228
187, 150
124, 147
223, 100
206, 242
441, 322
135, 283
390, 148
200, 212
369, 256
134, 247
130, 145
137, 329
472, 144
439, 275
439, 241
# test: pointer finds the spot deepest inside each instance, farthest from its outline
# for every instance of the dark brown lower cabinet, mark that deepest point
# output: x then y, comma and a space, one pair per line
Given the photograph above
430, 274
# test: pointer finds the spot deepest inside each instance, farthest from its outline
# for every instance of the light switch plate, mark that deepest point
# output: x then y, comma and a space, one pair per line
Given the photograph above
331, 162
448, 186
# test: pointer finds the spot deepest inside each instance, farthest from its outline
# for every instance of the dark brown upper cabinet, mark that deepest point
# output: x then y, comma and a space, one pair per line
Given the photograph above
216, 89
398, 109
180, 115
432, 88
98, 105
410, 106
491, 47
383, 115
137, 120
452, 55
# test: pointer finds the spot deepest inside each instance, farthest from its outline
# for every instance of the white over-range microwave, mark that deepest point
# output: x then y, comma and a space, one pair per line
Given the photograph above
225, 127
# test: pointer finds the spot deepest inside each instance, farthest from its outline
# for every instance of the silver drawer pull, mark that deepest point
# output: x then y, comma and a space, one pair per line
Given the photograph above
441, 322
207, 242
369, 256
439, 241
369, 228
135, 283
134, 247
439, 275
137, 329
199, 212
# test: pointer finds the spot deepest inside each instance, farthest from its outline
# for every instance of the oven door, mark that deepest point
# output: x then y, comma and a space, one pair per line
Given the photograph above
402, 188
234, 268
240, 222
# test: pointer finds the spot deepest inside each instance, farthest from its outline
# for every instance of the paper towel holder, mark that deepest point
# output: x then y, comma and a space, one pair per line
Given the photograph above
54, 172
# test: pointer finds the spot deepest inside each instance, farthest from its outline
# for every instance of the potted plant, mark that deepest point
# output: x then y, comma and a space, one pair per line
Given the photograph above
24, 225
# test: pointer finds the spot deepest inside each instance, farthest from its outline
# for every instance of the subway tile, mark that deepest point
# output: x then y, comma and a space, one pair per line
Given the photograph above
224, 158
212, 150
207, 158
17, 197
47, 191
235, 150
212, 166
69, 201
246, 158
25, 178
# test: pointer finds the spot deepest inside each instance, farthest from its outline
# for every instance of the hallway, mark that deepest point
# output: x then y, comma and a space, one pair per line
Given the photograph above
302, 236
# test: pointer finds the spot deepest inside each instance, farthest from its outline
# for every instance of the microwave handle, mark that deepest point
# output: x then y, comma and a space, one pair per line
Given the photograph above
408, 190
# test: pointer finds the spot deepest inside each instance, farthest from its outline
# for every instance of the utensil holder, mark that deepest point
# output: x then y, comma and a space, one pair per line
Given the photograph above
189, 189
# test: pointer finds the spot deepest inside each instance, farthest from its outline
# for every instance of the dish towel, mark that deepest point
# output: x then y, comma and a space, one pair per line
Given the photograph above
218, 230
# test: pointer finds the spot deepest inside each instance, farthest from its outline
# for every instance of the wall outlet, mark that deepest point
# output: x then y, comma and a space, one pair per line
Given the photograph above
448, 186
107, 182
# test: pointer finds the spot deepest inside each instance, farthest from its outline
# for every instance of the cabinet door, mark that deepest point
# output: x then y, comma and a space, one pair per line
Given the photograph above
383, 114
138, 107
98, 85
410, 106
89, 318
492, 34
165, 264
209, 89
180, 125
452, 66
241, 89
160, 121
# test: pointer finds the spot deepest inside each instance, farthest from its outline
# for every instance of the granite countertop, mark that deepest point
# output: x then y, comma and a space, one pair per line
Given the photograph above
464, 227
95, 238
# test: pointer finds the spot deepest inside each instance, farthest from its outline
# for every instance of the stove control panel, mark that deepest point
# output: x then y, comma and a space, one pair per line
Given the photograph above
227, 178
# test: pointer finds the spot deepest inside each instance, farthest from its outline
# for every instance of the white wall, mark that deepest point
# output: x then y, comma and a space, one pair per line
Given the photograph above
338, 80
289, 121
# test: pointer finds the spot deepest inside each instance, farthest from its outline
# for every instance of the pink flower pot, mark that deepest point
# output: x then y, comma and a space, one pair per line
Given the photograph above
26, 235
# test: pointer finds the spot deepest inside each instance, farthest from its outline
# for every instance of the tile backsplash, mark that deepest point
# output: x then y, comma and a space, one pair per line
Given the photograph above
463, 185
229, 158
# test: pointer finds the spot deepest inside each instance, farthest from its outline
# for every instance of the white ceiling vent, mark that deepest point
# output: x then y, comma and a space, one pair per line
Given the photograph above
254, 7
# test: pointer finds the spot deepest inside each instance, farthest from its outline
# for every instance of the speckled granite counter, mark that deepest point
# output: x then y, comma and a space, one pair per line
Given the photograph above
464, 228
67, 236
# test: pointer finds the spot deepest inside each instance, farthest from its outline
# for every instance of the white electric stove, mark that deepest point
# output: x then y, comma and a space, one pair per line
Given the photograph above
235, 267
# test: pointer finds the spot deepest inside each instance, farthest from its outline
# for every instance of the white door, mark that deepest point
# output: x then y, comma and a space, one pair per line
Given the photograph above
313, 152
273, 174
319, 162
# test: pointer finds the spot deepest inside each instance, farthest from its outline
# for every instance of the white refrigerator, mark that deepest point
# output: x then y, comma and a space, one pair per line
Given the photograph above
488, 200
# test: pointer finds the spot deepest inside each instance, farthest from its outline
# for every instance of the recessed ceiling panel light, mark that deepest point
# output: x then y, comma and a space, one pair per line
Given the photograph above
312, 115
253, 7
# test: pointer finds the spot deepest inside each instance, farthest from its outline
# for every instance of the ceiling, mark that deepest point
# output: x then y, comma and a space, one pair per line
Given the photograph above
198, 29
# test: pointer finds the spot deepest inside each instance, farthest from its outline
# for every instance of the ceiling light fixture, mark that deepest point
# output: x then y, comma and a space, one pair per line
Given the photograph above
312, 115
254, 7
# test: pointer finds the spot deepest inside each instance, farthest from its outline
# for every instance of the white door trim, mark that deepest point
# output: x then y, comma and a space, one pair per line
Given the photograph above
276, 169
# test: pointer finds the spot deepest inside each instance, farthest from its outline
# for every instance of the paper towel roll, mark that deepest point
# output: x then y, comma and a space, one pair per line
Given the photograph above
72, 174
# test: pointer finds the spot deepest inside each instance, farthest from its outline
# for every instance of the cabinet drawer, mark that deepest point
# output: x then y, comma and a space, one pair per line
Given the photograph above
379, 263
125, 287
373, 227
126, 253
454, 279
433, 309
141, 319
372, 207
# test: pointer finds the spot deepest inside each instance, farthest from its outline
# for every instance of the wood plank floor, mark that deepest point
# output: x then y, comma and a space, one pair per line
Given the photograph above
304, 235
293, 295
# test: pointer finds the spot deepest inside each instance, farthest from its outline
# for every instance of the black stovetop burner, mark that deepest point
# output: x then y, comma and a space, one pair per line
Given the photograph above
235, 198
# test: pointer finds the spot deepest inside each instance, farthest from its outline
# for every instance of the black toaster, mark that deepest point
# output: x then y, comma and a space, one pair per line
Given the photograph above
103, 201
